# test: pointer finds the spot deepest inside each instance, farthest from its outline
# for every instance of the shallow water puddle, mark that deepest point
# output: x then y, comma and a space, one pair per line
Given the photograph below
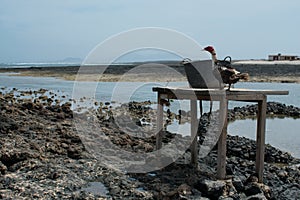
282, 133
96, 188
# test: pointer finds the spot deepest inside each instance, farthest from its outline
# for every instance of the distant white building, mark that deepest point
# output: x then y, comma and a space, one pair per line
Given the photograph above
283, 57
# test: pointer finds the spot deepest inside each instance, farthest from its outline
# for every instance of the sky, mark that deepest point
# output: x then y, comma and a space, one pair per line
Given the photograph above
52, 30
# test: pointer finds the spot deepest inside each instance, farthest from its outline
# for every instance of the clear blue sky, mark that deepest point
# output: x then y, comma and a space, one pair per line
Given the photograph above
35, 30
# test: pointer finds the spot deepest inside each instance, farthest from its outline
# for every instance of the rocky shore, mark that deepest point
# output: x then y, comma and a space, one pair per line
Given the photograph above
43, 156
156, 71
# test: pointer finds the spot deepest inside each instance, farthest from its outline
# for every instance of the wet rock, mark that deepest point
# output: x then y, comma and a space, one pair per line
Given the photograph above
28, 105
43, 97
60, 116
292, 192
10, 158
42, 156
238, 184
257, 197
253, 189
282, 174
212, 189
3, 168
7, 124
258, 188
74, 152
184, 189
273, 109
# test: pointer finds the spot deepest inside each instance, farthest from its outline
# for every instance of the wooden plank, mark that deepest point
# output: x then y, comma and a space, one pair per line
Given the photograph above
221, 162
245, 97
209, 92
159, 122
260, 138
194, 129
257, 92
188, 92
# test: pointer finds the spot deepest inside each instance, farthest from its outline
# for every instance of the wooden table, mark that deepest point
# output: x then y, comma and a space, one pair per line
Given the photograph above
223, 96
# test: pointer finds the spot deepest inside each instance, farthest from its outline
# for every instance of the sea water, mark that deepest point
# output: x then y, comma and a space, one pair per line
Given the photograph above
282, 133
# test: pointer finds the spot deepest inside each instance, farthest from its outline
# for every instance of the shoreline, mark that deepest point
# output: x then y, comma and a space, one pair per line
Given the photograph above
282, 73
145, 78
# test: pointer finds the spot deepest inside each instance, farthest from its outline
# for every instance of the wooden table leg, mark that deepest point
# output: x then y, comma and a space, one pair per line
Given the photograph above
159, 122
221, 162
194, 130
260, 138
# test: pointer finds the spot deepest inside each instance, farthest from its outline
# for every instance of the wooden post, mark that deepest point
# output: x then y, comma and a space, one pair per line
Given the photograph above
260, 138
201, 107
194, 130
159, 122
221, 162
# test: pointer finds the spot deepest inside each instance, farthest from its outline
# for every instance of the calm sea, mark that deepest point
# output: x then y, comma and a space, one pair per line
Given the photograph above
282, 133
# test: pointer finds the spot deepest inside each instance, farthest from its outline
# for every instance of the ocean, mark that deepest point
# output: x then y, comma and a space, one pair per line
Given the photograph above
38, 64
281, 132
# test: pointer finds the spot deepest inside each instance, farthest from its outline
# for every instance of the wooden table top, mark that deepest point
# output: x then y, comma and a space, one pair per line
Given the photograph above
233, 91
233, 94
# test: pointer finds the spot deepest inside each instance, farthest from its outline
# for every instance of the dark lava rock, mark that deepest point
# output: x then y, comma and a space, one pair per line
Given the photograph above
7, 124
212, 189
238, 183
74, 152
9, 159
273, 109
290, 193
28, 105
259, 196
42, 155
253, 189
3, 168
